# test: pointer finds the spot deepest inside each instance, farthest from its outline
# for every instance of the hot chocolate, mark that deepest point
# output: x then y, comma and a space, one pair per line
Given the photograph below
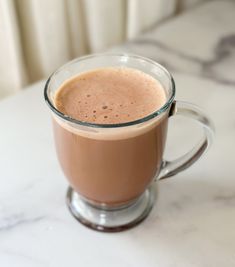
111, 166
110, 95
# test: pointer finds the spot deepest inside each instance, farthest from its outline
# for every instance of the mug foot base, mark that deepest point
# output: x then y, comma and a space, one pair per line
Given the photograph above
107, 219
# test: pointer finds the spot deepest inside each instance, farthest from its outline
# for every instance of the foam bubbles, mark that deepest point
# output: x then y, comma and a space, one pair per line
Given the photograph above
110, 95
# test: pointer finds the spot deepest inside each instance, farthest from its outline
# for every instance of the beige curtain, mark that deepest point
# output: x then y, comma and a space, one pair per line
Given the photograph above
37, 36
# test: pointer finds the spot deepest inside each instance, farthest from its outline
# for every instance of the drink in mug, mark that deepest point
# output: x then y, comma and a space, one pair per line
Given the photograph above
110, 117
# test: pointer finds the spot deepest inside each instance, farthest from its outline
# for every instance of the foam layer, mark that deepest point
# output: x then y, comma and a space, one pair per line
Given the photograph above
110, 95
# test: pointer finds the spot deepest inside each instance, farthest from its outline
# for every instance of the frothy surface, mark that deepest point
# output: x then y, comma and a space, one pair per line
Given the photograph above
110, 95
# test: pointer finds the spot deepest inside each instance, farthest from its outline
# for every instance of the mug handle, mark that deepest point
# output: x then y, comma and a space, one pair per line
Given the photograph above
181, 108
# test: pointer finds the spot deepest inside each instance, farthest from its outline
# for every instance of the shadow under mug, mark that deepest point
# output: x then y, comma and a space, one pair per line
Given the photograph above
111, 168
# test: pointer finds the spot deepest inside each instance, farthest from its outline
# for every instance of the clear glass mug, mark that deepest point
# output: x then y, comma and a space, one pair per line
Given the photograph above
111, 168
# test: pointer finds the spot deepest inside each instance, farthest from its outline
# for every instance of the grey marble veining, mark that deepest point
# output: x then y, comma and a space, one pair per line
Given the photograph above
192, 223
199, 42
14, 220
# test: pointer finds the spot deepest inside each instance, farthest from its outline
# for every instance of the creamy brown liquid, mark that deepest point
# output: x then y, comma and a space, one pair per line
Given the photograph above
111, 166
110, 95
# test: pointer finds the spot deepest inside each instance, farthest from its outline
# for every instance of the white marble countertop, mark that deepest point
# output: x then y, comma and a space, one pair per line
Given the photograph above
192, 223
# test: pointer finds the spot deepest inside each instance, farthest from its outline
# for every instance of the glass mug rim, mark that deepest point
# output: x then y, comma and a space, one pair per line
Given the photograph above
114, 125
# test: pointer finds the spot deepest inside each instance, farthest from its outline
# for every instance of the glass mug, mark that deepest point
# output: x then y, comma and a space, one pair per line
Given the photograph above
111, 168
